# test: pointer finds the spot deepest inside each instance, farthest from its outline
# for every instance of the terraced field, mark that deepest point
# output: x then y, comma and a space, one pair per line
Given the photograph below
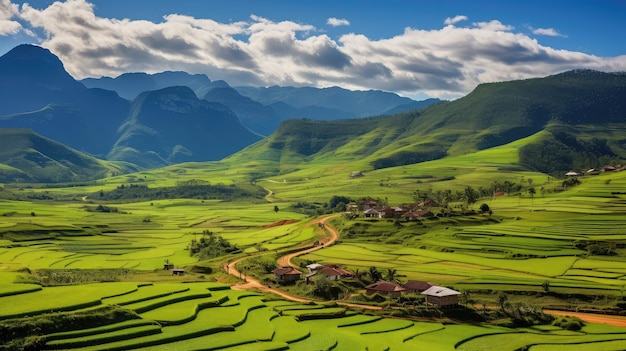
210, 316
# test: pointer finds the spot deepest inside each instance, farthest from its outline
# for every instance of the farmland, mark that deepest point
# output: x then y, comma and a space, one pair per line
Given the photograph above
203, 316
66, 254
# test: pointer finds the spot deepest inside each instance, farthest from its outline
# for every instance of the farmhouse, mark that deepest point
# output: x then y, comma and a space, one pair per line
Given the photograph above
372, 213
369, 204
411, 216
429, 203
178, 271
286, 274
416, 286
384, 288
332, 272
441, 296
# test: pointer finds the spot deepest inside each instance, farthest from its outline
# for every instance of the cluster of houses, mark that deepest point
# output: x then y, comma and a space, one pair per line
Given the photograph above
594, 171
435, 295
372, 209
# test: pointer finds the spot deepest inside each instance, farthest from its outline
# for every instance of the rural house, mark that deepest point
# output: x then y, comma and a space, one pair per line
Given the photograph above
286, 274
383, 287
415, 215
369, 204
416, 286
372, 213
332, 272
429, 203
441, 297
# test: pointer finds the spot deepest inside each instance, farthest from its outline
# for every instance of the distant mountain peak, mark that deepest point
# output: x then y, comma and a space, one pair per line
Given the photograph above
31, 64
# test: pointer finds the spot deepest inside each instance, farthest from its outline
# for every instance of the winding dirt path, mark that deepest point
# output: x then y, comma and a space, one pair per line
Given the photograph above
617, 321
284, 261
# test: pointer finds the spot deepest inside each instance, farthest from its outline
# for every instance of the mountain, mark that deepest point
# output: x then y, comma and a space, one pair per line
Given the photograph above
26, 156
36, 92
130, 85
263, 109
339, 102
259, 118
172, 125
578, 115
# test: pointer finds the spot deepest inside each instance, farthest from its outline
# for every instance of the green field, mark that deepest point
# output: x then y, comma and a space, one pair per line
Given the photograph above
211, 316
571, 238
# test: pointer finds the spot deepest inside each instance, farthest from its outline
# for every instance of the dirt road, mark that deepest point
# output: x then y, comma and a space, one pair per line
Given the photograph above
617, 321
284, 261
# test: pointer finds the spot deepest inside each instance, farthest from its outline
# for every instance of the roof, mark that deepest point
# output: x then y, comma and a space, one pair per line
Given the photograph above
314, 266
416, 214
286, 271
417, 285
440, 291
385, 286
371, 211
334, 271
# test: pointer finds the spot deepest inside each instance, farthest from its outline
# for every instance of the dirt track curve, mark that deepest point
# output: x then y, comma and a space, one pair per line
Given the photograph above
253, 284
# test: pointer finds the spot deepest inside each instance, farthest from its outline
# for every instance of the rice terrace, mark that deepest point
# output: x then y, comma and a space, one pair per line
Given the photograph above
209, 176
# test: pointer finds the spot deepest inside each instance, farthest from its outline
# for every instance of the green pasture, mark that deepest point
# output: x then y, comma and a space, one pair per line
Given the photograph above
196, 316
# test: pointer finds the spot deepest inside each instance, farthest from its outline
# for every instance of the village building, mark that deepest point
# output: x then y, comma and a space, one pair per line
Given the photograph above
177, 271
372, 213
383, 287
331, 272
441, 297
415, 215
286, 274
416, 286
369, 204
429, 203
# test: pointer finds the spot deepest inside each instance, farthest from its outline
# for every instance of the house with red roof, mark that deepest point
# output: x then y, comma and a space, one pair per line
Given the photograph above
286, 274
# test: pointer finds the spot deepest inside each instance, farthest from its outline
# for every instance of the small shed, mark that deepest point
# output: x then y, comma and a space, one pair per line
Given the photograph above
177, 271
441, 296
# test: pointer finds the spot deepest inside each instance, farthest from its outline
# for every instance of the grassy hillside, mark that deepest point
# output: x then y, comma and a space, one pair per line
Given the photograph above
28, 157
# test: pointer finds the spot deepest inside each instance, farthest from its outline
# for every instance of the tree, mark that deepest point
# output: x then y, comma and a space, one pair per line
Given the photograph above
390, 274
375, 274
484, 208
276, 209
502, 299
546, 286
470, 195
532, 192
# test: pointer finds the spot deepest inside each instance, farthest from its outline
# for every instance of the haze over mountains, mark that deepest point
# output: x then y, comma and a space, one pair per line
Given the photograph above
153, 120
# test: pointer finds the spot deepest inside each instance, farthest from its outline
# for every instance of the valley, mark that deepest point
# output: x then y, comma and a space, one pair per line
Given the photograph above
132, 218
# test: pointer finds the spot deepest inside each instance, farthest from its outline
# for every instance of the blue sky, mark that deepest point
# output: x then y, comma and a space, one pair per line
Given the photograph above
415, 48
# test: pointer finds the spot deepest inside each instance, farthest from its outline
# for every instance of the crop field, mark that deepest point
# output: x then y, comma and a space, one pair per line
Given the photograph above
572, 239
210, 316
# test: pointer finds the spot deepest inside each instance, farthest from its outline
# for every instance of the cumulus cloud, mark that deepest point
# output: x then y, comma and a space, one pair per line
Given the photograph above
336, 22
7, 12
450, 21
551, 32
447, 62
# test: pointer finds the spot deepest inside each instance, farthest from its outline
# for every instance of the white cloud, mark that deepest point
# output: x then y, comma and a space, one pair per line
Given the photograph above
551, 32
450, 21
7, 12
447, 62
494, 25
336, 22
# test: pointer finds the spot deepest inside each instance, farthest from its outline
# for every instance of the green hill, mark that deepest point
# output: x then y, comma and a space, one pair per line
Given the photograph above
581, 111
26, 156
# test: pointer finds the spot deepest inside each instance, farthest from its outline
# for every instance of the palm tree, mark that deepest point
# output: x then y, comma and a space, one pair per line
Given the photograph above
390, 275
375, 274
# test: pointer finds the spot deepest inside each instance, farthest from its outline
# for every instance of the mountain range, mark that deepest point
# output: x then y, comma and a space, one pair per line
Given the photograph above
139, 120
